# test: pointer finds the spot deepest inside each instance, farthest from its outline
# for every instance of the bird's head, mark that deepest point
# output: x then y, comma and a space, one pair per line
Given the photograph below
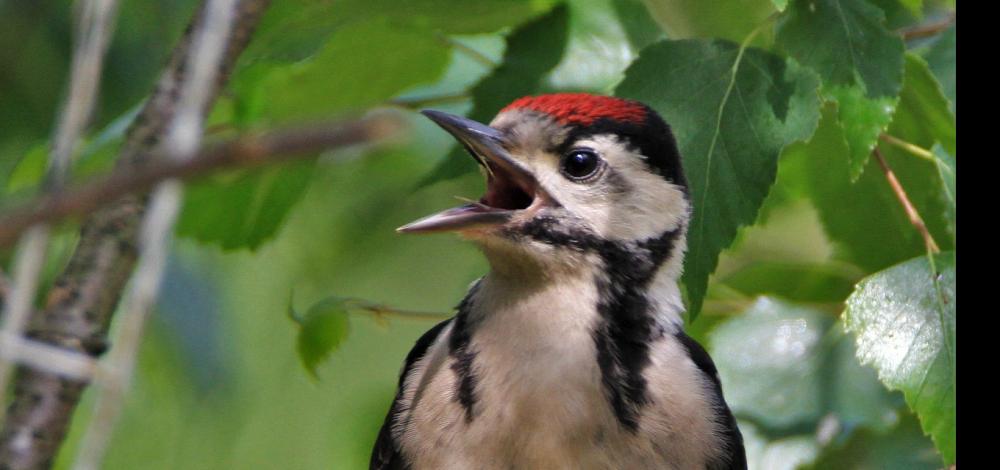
568, 175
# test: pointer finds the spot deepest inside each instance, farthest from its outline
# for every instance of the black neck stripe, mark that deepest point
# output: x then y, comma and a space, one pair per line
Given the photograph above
627, 326
464, 356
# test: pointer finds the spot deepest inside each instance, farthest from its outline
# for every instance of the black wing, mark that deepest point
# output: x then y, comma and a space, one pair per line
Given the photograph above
386, 454
735, 452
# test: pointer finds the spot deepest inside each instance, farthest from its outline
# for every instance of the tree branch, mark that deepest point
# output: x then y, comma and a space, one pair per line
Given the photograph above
80, 305
181, 142
911, 211
418, 102
94, 30
4, 285
909, 147
928, 29
248, 150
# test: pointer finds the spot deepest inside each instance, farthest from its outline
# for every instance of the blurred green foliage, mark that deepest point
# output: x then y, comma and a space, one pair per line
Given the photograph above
776, 126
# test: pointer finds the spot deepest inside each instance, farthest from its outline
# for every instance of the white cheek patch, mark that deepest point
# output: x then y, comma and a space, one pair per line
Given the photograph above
630, 201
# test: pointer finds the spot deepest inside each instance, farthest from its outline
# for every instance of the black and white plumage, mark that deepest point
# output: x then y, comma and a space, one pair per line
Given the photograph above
570, 353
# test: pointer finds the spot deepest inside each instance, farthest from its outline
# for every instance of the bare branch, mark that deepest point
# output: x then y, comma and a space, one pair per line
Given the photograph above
184, 134
4, 286
909, 147
96, 25
50, 359
418, 102
928, 29
468, 51
80, 305
911, 211
248, 150
94, 31
19, 304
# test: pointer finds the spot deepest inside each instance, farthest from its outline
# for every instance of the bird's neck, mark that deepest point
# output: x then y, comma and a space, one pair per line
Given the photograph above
592, 331
538, 304
579, 275
530, 301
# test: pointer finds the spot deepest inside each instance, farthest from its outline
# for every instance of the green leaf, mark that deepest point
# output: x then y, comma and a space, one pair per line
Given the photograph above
700, 19
905, 319
732, 111
942, 59
855, 396
599, 48
243, 209
641, 29
806, 282
780, 4
923, 117
905, 448
362, 64
96, 156
295, 29
29, 171
859, 60
784, 367
897, 15
532, 51
99, 155
864, 218
863, 119
846, 42
769, 359
916, 7
325, 325
468, 17
946, 170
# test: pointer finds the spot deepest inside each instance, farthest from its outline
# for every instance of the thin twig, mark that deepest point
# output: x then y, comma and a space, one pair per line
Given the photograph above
911, 211
469, 52
50, 359
18, 306
909, 147
928, 29
183, 138
120, 365
420, 102
379, 311
94, 28
5, 284
248, 150
85, 295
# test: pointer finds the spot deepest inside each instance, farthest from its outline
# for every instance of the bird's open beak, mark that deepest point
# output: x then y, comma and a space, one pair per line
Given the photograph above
510, 187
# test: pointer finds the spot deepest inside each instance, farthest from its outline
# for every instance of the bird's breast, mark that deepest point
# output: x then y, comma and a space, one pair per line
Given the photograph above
515, 383
536, 398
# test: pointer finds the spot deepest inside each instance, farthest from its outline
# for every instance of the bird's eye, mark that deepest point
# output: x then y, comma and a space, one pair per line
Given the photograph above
581, 164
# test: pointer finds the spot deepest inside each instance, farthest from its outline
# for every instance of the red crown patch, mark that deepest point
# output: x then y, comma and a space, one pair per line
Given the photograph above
582, 109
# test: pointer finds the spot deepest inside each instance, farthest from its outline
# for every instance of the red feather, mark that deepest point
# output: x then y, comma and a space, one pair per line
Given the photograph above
582, 109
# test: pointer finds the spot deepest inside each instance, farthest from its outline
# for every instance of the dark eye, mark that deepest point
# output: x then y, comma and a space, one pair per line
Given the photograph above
580, 164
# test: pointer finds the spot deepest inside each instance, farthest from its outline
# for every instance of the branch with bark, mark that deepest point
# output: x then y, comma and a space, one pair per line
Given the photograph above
78, 310
248, 150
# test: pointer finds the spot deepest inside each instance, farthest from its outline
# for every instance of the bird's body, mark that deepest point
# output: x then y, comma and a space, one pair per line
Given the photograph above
570, 353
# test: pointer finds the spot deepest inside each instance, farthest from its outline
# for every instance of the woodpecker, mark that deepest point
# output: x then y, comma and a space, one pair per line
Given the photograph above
570, 353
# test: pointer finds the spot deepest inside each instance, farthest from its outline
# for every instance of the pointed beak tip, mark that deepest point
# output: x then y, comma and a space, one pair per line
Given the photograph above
436, 116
